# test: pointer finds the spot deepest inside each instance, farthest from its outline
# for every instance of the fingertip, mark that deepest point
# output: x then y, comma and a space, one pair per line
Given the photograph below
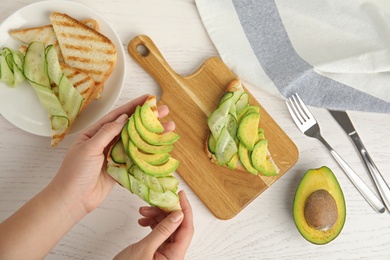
163, 110
176, 216
169, 126
122, 118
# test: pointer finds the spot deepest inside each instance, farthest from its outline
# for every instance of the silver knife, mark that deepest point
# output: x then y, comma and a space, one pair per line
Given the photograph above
344, 121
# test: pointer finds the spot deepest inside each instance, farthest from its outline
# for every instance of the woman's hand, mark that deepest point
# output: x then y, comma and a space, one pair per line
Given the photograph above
82, 175
170, 237
80, 185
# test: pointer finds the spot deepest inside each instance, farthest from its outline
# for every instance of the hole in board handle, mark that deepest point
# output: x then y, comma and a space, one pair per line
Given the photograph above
143, 50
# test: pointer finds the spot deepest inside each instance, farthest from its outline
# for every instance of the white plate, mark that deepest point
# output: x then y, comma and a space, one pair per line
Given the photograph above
20, 105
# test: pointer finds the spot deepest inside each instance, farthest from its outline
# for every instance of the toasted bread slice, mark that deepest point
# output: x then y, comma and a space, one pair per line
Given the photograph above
235, 86
46, 35
85, 49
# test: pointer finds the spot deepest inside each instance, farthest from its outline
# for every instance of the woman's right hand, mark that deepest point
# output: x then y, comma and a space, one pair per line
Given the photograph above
170, 237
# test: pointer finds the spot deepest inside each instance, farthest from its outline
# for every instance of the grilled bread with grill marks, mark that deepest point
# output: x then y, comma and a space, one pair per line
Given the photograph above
85, 49
46, 35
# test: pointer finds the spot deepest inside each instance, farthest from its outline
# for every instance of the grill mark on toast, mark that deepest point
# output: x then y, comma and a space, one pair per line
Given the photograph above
89, 60
89, 49
79, 36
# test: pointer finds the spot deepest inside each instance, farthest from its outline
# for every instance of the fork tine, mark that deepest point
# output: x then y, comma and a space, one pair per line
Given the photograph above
293, 114
297, 110
305, 111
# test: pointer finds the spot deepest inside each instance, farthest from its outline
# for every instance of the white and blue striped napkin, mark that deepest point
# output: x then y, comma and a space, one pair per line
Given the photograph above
335, 54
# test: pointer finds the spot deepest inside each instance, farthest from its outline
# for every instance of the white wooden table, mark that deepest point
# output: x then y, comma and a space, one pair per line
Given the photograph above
265, 229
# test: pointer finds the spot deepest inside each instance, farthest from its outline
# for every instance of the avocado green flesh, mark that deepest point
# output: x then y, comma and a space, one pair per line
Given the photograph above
313, 180
248, 130
150, 137
260, 161
155, 170
149, 120
141, 144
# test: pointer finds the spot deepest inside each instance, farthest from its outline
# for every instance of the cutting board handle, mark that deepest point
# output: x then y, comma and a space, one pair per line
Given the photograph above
146, 54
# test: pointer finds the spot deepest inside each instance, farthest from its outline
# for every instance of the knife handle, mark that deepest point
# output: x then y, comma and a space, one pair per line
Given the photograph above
360, 185
379, 181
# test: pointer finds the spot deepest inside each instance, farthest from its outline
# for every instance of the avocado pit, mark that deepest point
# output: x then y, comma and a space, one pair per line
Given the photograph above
320, 210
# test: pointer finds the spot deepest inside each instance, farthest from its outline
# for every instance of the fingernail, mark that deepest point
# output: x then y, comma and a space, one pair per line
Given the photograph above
176, 216
122, 118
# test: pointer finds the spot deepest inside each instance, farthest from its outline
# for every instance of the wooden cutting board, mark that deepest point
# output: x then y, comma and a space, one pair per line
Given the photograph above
191, 99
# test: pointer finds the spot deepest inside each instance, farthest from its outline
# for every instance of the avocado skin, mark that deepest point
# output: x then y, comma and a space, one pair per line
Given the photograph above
317, 179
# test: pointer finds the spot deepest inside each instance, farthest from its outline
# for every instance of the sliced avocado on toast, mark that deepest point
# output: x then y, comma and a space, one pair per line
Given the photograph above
143, 165
236, 139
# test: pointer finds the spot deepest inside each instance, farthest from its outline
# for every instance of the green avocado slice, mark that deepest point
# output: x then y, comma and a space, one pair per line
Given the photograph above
150, 137
248, 130
149, 120
141, 144
244, 155
153, 170
260, 160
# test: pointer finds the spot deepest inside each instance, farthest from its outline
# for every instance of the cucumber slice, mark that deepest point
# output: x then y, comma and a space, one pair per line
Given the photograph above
148, 180
118, 153
226, 147
121, 175
53, 66
168, 200
11, 67
50, 102
232, 125
129, 162
36, 72
225, 96
139, 188
6, 74
68, 95
35, 67
212, 143
242, 102
217, 119
237, 94
169, 183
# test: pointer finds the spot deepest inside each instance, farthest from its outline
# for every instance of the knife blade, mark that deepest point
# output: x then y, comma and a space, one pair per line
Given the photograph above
345, 122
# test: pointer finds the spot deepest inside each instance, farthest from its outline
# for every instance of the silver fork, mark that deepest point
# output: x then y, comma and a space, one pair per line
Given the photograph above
308, 125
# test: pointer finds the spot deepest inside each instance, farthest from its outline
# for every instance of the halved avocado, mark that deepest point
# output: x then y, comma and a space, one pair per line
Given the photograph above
319, 206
